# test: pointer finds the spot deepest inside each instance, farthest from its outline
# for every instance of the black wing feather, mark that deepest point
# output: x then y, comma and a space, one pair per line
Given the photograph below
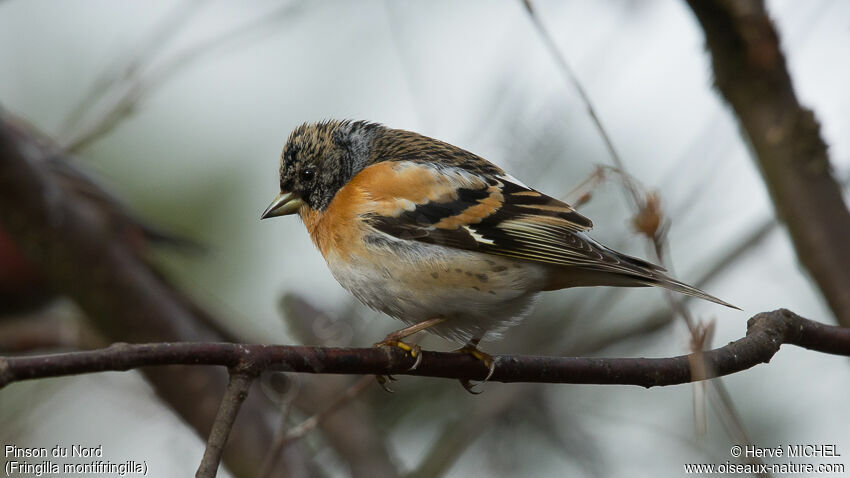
528, 226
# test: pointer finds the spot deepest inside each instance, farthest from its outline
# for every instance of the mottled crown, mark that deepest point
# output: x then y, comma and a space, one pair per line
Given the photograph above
319, 158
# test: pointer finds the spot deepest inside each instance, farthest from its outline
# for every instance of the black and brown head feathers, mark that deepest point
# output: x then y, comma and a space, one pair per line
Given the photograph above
319, 158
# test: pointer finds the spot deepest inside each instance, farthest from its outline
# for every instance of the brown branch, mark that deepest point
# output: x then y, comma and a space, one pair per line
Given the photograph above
751, 74
238, 385
77, 249
766, 332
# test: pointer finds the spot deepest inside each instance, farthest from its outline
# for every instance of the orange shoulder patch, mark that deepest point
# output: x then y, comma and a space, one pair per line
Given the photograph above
390, 189
390, 183
477, 213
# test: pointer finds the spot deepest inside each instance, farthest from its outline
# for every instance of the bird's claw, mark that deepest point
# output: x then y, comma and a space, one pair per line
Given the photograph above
469, 386
383, 381
483, 357
415, 351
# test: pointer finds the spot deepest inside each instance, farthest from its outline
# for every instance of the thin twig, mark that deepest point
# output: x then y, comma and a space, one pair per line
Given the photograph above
721, 398
571, 76
240, 382
273, 455
751, 73
349, 432
642, 203
300, 430
139, 86
458, 434
76, 247
129, 66
765, 333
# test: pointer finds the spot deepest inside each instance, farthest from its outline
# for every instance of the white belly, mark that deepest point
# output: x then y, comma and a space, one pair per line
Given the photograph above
479, 294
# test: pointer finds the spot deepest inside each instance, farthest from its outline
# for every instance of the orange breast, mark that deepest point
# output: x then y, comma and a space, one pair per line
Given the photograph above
386, 189
337, 231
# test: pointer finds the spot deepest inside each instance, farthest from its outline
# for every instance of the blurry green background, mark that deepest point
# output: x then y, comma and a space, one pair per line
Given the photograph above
199, 156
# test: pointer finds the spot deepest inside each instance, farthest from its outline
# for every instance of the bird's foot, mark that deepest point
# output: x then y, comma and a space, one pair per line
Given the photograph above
384, 380
485, 358
395, 340
413, 350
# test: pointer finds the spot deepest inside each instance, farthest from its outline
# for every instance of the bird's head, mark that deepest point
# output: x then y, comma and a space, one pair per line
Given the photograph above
319, 159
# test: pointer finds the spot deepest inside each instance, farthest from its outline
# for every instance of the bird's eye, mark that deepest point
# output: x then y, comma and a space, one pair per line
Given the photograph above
307, 174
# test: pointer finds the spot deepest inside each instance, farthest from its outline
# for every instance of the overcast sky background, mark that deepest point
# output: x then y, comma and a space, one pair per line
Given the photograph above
201, 156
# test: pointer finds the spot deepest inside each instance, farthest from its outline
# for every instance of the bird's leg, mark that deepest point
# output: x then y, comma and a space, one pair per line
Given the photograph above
395, 340
471, 348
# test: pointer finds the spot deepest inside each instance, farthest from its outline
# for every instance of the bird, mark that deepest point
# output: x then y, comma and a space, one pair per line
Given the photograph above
438, 237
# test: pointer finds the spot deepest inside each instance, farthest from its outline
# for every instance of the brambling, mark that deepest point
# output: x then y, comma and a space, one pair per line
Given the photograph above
438, 237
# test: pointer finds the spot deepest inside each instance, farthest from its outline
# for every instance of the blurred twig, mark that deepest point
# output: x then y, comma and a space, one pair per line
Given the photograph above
127, 299
241, 378
595, 342
46, 330
570, 75
458, 434
700, 340
130, 65
751, 73
275, 449
349, 431
648, 220
137, 84
300, 430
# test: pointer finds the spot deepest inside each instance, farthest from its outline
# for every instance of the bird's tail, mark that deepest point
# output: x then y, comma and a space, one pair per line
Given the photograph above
662, 280
614, 268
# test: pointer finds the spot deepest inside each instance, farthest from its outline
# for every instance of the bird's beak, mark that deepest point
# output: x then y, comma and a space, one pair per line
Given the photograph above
284, 204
